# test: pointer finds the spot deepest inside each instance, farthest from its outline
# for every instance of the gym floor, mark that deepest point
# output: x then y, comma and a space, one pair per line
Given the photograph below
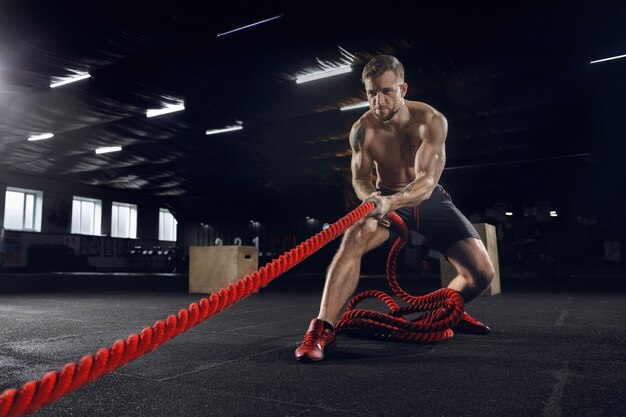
557, 349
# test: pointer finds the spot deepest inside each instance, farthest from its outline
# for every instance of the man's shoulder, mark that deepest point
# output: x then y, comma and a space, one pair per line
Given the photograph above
421, 110
364, 124
423, 115
366, 121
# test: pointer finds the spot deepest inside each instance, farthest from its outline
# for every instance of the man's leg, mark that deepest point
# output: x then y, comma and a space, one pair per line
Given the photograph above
474, 266
345, 269
476, 272
341, 281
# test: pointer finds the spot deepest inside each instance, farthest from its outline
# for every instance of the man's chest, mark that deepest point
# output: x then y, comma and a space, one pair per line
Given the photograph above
395, 149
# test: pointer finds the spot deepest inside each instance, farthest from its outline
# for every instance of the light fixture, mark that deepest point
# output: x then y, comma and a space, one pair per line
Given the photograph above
108, 149
553, 214
169, 108
225, 129
41, 136
250, 25
330, 72
355, 106
607, 59
508, 213
72, 79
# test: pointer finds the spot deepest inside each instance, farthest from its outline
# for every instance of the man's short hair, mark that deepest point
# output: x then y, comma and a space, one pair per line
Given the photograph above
378, 65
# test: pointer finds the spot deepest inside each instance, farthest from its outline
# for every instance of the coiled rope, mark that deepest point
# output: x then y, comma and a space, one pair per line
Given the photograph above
443, 308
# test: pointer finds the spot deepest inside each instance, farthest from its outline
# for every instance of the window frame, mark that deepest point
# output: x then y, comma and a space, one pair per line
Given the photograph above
37, 204
164, 215
96, 220
132, 221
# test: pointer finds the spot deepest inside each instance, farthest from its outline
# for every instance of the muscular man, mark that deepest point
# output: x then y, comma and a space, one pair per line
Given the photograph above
405, 141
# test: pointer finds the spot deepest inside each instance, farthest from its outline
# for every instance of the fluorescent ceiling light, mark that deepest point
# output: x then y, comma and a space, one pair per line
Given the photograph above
553, 214
41, 137
250, 25
225, 129
66, 80
607, 59
509, 213
169, 108
108, 149
355, 106
323, 74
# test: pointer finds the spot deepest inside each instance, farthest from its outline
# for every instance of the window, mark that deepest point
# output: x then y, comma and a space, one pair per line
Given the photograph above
167, 225
22, 209
124, 220
86, 216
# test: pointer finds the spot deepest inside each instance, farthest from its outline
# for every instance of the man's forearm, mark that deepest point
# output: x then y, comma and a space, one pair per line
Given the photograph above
413, 194
363, 188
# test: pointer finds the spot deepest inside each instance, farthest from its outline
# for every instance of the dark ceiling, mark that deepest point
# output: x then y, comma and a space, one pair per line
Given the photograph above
529, 117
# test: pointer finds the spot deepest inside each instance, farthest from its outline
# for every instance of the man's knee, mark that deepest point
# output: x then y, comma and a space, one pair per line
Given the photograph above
483, 275
357, 237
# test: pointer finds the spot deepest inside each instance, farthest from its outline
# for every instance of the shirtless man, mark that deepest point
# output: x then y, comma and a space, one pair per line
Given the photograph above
405, 141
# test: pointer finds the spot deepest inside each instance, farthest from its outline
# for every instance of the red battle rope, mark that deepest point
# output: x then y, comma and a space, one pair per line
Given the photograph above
35, 394
443, 307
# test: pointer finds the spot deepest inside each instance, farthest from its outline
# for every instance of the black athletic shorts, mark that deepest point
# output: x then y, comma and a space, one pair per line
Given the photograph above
437, 219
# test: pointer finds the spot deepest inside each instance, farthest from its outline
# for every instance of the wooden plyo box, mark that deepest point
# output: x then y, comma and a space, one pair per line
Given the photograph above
212, 268
487, 233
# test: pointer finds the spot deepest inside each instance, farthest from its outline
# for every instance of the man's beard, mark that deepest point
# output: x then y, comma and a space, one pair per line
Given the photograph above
389, 116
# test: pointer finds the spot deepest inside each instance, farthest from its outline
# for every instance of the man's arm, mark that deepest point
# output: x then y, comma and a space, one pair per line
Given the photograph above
429, 163
361, 164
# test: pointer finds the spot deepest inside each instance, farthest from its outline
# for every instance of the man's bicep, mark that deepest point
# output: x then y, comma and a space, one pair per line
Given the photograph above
431, 156
362, 165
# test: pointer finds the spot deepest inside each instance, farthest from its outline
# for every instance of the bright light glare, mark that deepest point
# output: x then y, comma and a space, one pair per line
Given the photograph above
509, 213
108, 149
41, 137
250, 25
68, 80
324, 74
225, 129
607, 59
170, 108
355, 106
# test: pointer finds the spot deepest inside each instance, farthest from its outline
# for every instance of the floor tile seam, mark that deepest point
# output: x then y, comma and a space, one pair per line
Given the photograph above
48, 362
335, 410
39, 339
170, 381
271, 322
553, 406
270, 309
525, 358
33, 318
223, 332
69, 336
225, 362
565, 326
267, 323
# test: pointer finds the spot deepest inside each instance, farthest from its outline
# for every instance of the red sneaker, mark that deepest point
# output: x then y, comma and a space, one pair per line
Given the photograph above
318, 342
469, 325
